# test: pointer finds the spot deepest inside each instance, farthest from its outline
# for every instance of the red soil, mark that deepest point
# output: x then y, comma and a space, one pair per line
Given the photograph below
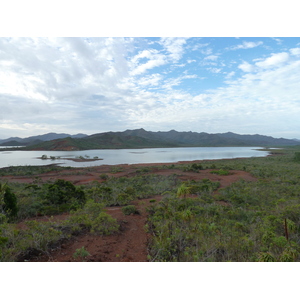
130, 243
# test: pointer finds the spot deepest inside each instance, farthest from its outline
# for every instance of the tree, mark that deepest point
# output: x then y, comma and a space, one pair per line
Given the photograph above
8, 201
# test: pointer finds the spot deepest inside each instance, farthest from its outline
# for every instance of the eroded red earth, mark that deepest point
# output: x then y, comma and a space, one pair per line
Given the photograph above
130, 243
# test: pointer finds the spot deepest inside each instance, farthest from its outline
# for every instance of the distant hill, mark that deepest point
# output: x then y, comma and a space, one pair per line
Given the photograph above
213, 140
140, 138
108, 140
33, 140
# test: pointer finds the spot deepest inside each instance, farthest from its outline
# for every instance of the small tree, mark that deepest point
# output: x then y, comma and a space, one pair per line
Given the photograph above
9, 202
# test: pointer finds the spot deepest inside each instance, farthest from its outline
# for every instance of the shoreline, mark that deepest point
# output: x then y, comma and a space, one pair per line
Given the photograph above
59, 164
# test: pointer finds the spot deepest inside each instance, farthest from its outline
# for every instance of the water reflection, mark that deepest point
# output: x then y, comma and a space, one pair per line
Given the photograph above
125, 156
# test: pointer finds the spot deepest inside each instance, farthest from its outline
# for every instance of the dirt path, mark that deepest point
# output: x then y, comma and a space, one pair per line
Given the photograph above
130, 243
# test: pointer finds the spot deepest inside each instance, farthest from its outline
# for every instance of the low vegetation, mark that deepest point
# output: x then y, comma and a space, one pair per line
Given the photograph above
195, 220
258, 221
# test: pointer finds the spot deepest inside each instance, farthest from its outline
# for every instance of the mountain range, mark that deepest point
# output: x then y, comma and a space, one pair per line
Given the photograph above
140, 138
33, 140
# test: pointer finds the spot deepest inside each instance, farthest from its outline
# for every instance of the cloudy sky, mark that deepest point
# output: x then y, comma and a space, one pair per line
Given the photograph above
90, 85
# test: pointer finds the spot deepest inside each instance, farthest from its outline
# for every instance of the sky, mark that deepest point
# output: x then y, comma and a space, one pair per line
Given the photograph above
213, 84
205, 66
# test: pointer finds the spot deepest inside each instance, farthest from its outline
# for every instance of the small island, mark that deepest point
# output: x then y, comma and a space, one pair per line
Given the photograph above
76, 159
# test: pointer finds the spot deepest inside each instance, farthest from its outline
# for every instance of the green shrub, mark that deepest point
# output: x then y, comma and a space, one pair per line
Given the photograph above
81, 253
104, 224
104, 176
123, 199
10, 204
116, 169
63, 191
297, 156
130, 209
220, 172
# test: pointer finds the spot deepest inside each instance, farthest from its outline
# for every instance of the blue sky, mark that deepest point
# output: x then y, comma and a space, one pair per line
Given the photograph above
243, 85
167, 67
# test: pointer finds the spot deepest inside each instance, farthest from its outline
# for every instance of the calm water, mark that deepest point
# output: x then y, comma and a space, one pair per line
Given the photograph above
126, 156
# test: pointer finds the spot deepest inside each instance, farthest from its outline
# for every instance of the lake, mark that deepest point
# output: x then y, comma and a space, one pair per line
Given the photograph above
126, 156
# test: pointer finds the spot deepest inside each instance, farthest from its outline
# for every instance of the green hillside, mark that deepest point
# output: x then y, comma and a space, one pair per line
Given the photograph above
141, 138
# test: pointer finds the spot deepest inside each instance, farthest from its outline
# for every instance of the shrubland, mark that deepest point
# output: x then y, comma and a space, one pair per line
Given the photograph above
195, 220
257, 221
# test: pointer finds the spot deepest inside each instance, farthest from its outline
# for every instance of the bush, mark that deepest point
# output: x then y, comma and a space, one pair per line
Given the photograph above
104, 224
63, 191
104, 176
130, 209
10, 203
81, 253
297, 156
220, 172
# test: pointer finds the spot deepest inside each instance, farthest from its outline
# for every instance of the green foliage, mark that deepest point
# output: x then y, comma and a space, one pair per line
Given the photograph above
266, 257
143, 170
16, 245
116, 169
220, 172
30, 170
81, 253
130, 209
258, 220
104, 176
8, 202
183, 190
251, 227
104, 224
193, 167
63, 192
123, 190
91, 216
297, 156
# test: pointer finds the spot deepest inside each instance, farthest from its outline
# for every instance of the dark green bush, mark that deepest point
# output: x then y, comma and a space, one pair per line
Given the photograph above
10, 204
297, 156
130, 209
63, 191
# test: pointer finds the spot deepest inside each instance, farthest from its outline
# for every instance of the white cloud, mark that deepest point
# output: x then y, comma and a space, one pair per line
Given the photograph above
214, 70
153, 80
246, 67
155, 60
211, 57
102, 84
246, 45
274, 60
169, 83
279, 41
198, 46
230, 74
189, 76
250, 104
206, 51
174, 46
295, 51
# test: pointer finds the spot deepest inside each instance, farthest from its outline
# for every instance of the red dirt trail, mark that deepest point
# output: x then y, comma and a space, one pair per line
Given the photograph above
130, 243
